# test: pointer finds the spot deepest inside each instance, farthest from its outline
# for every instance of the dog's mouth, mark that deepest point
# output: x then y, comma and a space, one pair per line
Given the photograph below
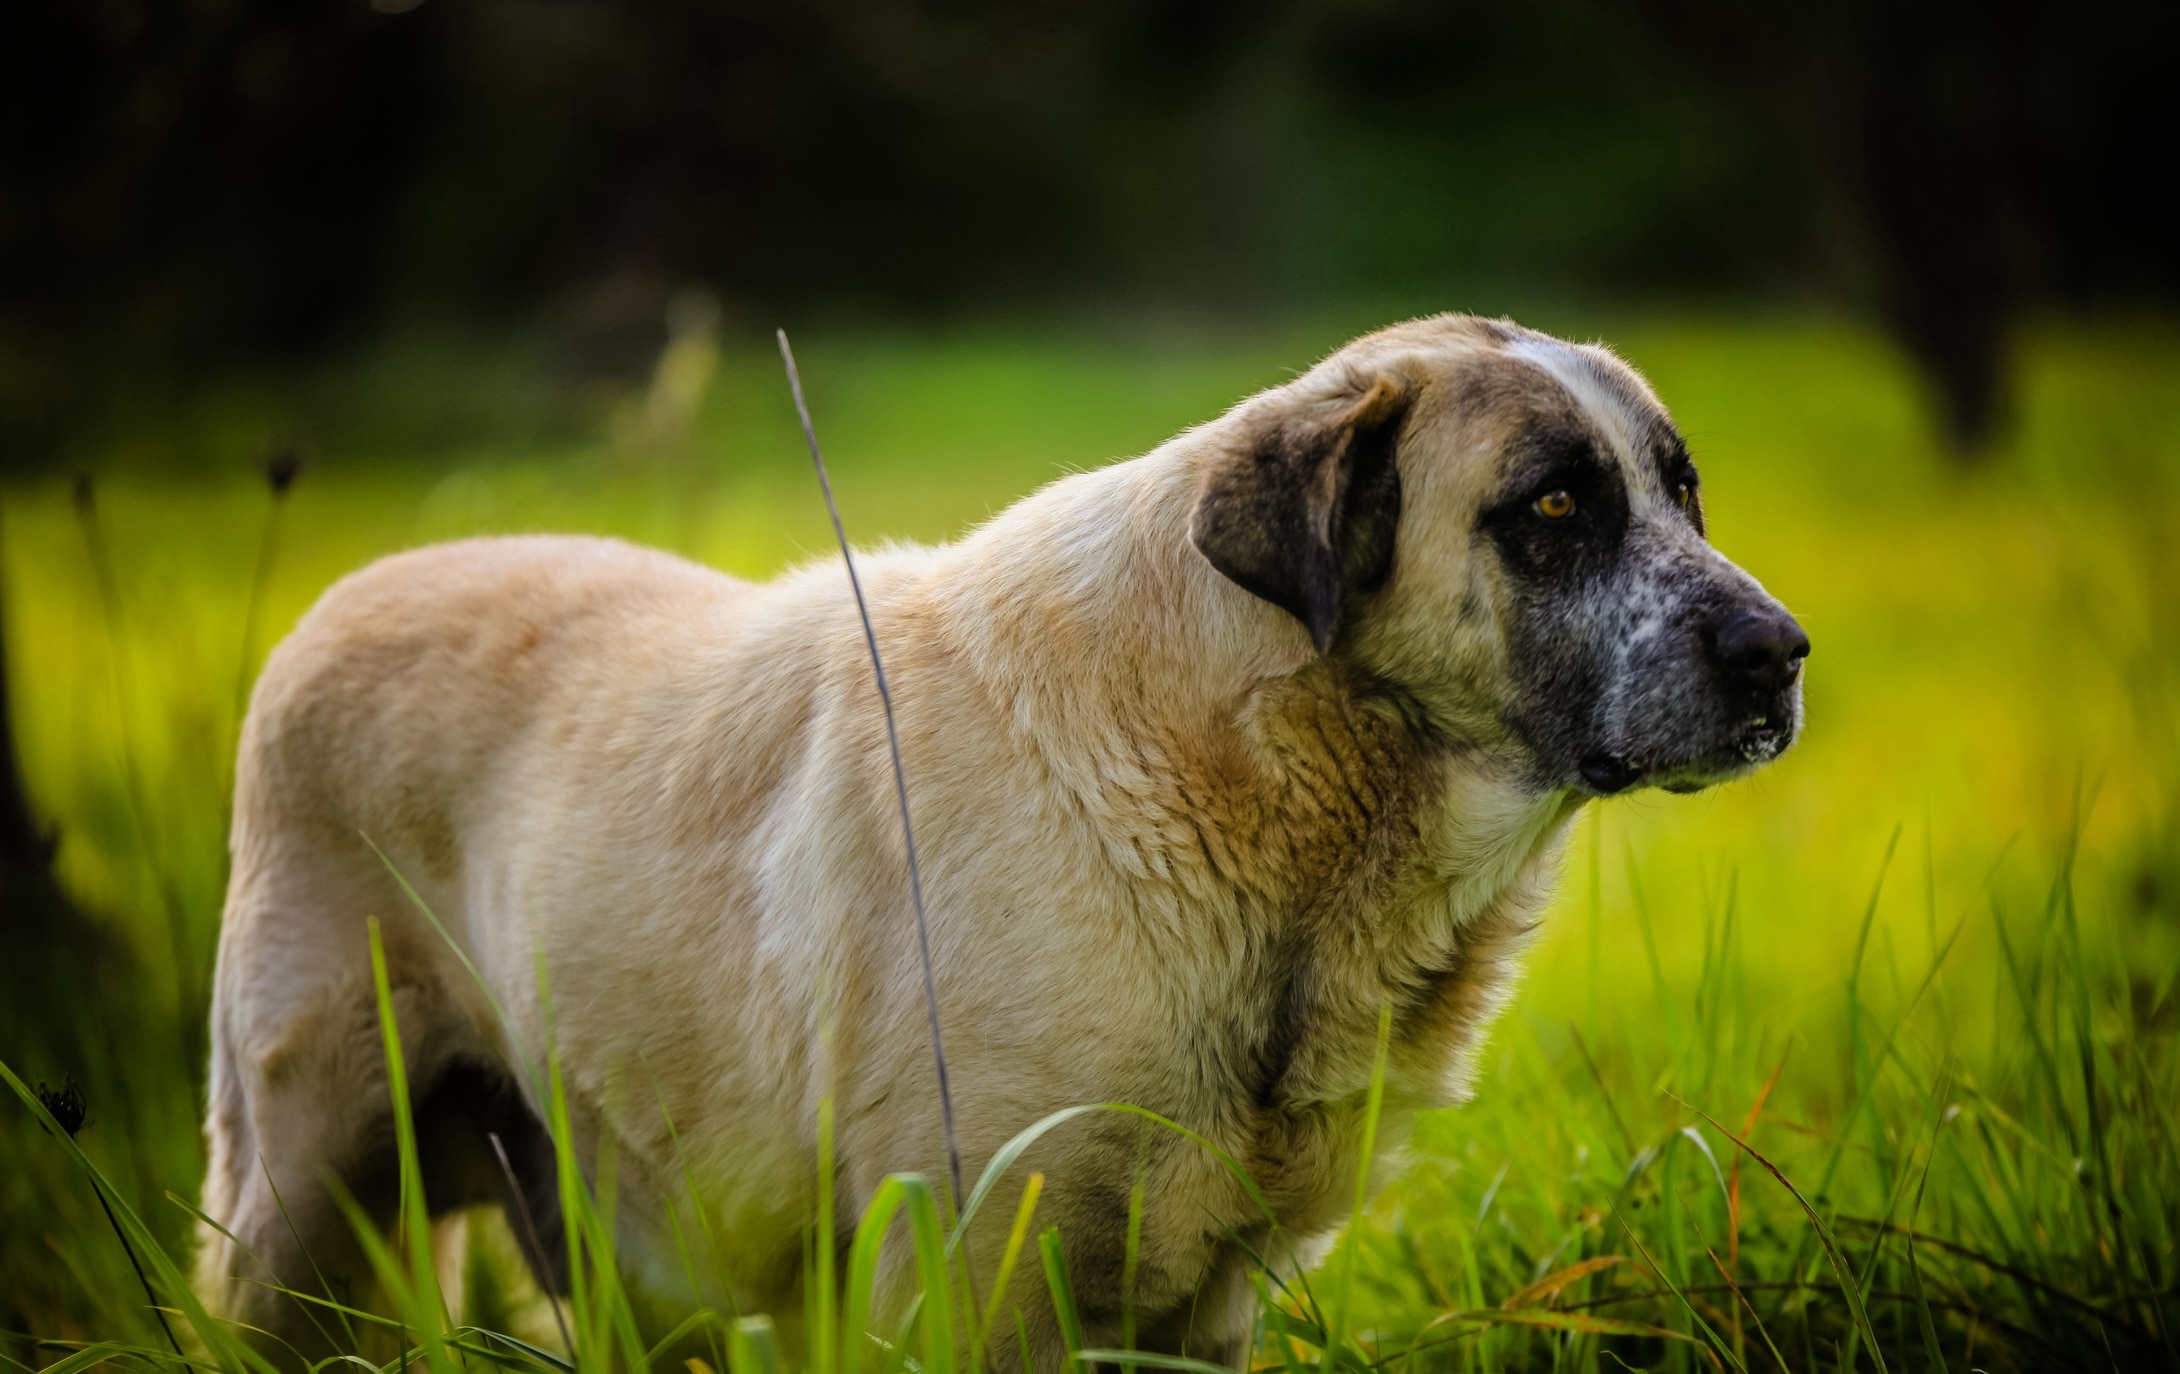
1761, 740
1606, 774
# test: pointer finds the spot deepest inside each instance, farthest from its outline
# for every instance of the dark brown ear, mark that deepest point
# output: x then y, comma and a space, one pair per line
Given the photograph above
1305, 517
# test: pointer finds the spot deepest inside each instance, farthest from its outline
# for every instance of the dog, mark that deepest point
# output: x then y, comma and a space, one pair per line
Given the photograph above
1215, 756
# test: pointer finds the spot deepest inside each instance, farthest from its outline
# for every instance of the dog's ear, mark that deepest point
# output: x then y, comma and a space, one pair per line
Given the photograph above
1304, 517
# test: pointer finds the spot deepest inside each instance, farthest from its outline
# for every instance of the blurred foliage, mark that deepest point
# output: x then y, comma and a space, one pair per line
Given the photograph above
191, 189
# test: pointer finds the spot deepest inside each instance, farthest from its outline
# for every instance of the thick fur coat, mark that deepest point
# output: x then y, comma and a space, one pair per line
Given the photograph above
1212, 755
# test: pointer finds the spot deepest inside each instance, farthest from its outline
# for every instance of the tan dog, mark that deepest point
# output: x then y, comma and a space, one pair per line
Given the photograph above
1212, 754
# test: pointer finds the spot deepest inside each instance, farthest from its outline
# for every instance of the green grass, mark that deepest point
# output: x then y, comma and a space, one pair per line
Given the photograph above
1924, 966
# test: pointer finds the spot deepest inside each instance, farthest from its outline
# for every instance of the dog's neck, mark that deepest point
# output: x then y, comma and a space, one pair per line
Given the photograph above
1334, 842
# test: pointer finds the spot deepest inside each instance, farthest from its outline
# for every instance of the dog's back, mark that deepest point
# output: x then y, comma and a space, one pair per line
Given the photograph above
415, 673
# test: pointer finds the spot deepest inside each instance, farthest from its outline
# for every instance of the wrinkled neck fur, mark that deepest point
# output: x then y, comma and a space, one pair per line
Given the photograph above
1279, 822
1121, 625
1200, 732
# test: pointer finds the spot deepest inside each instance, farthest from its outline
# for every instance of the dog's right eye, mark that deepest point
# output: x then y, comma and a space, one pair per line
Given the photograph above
1555, 505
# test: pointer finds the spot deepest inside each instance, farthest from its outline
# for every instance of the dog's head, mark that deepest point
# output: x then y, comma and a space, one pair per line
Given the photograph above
1511, 530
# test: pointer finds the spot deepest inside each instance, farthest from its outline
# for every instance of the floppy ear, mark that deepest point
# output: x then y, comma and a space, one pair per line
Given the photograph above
1305, 517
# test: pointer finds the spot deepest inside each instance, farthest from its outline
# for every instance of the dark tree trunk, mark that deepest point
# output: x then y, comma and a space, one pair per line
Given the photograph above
1934, 157
1911, 122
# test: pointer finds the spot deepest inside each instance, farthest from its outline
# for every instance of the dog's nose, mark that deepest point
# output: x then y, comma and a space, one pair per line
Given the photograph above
1759, 646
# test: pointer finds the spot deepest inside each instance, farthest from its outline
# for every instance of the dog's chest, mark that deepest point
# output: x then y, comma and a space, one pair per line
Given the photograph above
1372, 852
1289, 883
1391, 946
1282, 1063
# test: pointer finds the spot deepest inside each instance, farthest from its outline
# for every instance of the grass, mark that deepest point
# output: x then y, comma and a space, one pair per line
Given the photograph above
1869, 1062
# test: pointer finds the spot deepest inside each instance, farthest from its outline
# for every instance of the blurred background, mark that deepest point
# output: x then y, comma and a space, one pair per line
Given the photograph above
196, 190
283, 288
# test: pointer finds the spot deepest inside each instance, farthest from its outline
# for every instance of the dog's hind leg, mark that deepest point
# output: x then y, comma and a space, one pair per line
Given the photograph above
300, 1117
291, 1128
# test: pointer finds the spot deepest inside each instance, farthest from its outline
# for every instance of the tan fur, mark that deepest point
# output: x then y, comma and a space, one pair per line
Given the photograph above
1172, 856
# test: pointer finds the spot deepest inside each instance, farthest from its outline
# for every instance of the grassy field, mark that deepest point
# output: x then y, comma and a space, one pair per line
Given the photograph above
1924, 965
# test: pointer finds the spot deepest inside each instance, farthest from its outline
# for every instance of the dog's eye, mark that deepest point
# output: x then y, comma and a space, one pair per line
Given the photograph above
1685, 493
1555, 505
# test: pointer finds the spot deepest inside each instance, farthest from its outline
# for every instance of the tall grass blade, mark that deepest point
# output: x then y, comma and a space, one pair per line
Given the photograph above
753, 1347
309, 1309
137, 1265
515, 1041
530, 1236
1016, 1236
1062, 1289
1933, 1351
1740, 1296
1336, 1317
912, 1194
531, 1355
1847, 1282
217, 1339
1551, 1285
1132, 1241
900, 776
824, 1332
97, 1353
1721, 1350
415, 1213
1009, 1153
